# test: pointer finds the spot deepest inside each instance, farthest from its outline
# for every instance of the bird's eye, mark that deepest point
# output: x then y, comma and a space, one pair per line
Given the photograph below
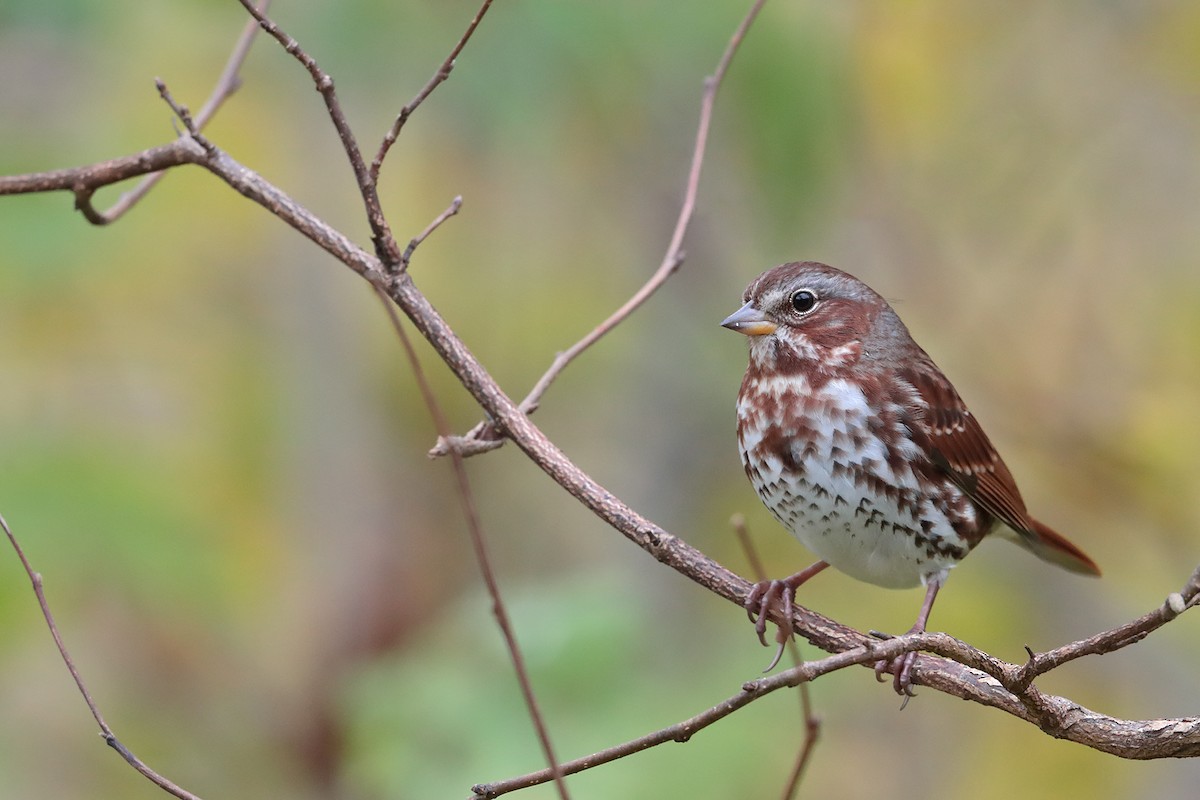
803, 301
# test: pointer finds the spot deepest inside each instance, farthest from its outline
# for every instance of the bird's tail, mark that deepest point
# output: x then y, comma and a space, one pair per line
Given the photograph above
1052, 546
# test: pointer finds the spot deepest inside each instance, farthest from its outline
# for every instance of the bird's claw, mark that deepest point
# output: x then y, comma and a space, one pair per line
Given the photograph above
759, 602
900, 668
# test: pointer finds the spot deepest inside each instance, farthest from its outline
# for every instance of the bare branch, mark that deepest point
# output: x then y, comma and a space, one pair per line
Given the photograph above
93, 176
182, 113
683, 731
250, 184
1057, 716
441, 75
229, 82
109, 737
473, 442
674, 255
186, 150
451, 210
475, 528
84, 181
381, 233
230, 79
812, 723
1109, 641
671, 260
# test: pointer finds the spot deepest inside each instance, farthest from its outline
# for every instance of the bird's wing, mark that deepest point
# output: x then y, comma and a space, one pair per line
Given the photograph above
958, 445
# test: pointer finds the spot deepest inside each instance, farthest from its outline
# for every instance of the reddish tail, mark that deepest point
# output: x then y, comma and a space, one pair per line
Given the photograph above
1050, 546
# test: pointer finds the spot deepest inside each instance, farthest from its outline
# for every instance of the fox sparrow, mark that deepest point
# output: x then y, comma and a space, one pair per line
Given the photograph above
859, 445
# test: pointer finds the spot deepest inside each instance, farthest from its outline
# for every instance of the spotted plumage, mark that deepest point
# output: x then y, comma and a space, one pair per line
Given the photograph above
862, 449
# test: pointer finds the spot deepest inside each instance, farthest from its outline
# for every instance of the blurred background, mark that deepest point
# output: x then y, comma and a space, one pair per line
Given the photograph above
213, 450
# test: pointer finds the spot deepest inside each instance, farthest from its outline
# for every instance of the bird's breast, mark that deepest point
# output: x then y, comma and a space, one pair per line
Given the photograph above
837, 470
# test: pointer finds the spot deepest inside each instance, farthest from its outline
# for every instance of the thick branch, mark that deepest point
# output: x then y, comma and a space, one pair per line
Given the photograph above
90, 177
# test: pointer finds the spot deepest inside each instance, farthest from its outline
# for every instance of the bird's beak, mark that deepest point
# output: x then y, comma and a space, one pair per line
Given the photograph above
750, 321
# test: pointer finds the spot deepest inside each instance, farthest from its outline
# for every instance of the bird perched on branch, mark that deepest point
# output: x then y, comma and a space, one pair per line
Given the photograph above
860, 446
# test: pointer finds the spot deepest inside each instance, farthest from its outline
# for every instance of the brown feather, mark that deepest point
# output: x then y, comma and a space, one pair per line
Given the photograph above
959, 446
1057, 549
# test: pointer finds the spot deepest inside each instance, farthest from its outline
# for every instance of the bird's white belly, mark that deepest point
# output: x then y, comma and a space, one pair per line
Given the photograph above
829, 496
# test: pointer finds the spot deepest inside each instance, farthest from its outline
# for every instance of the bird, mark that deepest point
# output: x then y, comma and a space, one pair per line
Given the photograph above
861, 447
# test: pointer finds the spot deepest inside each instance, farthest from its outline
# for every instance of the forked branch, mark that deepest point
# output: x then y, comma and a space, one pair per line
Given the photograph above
1161, 738
483, 436
229, 82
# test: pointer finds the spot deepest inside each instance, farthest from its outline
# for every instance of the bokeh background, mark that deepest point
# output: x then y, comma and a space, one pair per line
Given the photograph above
213, 450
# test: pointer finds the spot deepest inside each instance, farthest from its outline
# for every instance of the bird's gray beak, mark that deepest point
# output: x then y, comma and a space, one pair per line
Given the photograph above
750, 321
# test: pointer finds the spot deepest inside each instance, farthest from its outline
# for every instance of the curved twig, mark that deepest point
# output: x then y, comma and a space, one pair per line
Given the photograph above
483, 436
443, 72
229, 82
475, 528
110, 738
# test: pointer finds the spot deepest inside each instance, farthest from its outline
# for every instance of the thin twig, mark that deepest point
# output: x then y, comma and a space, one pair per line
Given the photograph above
812, 723
478, 541
738, 523
443, 72
1055, 715
229, 82
105, 731
381, 233
1111, 640
674, 256
451, 210
182, 112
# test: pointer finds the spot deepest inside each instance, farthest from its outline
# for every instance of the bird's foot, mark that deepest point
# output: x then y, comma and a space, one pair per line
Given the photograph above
902, 665
899, 667
781, 594
762, 597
